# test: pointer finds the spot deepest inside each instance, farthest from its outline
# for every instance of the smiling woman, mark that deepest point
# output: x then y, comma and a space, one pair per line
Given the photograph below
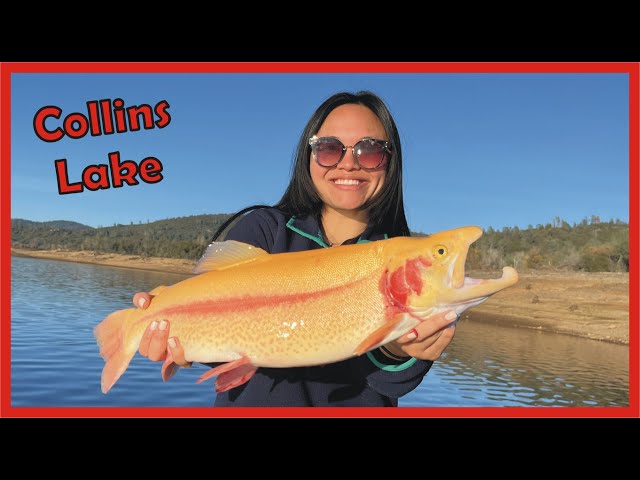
346, 188
342, 182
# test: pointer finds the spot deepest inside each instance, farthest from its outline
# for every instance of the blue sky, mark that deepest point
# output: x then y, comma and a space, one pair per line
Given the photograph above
479, 149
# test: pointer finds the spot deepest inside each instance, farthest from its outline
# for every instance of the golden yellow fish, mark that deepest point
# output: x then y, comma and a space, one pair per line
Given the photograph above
251, 309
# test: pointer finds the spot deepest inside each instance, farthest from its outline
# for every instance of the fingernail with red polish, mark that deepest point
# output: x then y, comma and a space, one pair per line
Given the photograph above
412, 334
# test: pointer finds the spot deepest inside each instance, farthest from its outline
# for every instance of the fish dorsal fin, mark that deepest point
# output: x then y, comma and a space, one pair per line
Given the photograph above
221, 255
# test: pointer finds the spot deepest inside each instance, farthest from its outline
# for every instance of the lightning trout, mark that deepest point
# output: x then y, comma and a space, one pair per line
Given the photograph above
250, 309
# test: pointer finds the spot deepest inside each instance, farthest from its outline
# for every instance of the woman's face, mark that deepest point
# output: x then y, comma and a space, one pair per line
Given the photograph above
346, 187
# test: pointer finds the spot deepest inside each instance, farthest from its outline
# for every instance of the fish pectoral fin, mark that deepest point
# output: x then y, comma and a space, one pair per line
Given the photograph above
398, 326
231, 374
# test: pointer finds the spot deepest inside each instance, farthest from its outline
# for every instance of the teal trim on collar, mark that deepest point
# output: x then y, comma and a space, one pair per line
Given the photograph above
391, 368
364, 240
318, 240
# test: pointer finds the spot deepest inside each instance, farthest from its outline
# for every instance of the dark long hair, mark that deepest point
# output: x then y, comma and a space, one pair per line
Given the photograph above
385, 210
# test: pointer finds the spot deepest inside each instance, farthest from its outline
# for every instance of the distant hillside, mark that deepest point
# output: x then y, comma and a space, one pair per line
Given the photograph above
182, 237
591, 245
62, 224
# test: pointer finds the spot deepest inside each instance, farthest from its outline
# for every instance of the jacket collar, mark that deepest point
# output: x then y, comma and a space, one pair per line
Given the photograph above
309, 227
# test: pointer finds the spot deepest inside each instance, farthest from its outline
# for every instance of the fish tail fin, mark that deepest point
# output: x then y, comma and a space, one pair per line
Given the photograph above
114, 347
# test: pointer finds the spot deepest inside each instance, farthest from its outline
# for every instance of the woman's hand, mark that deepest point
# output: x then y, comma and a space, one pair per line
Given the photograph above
155, 340
428, 340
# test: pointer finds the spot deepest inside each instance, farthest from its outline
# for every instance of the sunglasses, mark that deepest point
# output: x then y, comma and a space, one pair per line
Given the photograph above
369, 153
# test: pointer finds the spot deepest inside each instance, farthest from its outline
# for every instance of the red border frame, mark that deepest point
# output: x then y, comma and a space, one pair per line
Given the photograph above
6, 410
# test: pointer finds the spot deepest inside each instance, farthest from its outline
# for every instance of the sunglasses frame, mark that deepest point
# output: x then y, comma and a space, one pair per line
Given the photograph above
313, 141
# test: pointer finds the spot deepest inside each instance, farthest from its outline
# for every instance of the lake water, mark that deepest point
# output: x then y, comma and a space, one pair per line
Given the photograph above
55, 361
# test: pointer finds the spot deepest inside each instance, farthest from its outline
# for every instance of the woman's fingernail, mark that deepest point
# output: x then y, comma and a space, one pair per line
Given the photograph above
172, 342
412, 334
163, 325
142, 301
451, 316
154, 325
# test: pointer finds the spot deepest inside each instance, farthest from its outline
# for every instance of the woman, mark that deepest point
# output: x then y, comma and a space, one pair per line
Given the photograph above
346, 188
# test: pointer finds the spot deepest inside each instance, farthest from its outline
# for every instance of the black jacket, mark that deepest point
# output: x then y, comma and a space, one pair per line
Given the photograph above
368, 380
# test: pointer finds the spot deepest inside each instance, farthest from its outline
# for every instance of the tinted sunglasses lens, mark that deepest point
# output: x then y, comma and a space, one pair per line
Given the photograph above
370, 153
328, 152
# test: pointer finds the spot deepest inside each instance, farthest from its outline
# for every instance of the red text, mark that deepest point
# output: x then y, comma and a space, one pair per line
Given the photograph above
114, 174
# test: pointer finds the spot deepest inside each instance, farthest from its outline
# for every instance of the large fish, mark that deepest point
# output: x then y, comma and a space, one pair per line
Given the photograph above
250, 309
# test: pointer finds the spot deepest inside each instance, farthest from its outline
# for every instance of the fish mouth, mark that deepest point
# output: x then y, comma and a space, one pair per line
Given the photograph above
473, 292
466, 290
474, 289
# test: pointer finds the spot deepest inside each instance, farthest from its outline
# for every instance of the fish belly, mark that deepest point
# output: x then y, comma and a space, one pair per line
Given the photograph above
277, 329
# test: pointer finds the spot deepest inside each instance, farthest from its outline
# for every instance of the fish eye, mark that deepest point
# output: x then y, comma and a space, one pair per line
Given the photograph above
440, 251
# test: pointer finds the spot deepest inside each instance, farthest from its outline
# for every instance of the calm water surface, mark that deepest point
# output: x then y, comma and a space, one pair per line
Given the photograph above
55, 361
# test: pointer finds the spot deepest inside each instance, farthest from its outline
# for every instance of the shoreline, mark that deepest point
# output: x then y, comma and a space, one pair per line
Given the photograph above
156, 264
546, 327
586, 305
